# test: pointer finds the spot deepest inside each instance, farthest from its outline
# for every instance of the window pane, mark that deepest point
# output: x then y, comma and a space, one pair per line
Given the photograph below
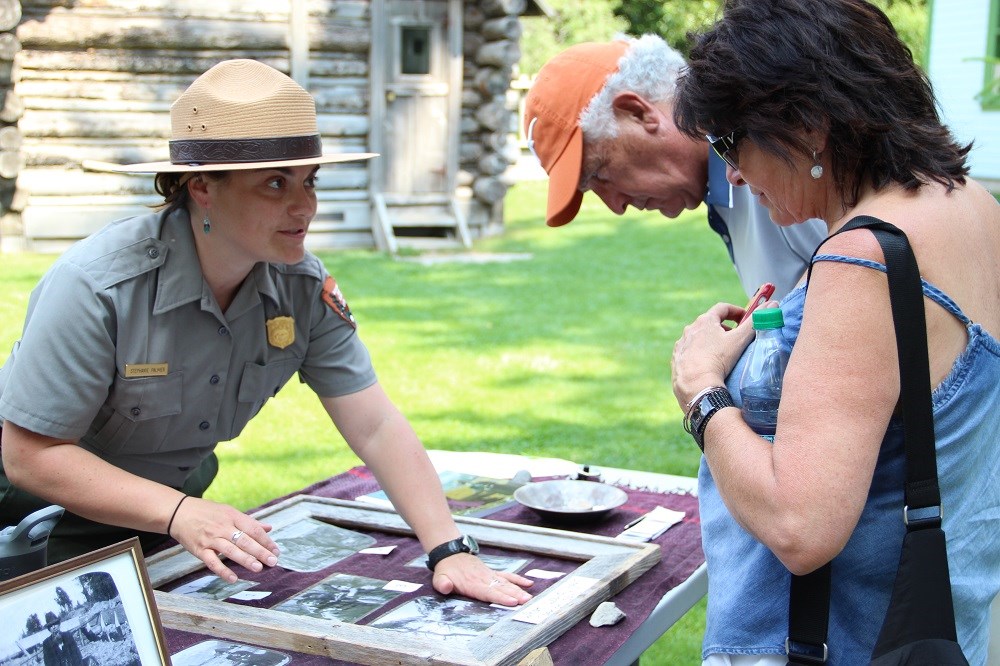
416, 51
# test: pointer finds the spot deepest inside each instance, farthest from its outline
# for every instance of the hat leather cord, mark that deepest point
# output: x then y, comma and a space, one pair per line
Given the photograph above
919, 627
216, 151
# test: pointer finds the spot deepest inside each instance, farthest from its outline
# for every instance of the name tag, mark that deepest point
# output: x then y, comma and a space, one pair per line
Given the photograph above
145, 370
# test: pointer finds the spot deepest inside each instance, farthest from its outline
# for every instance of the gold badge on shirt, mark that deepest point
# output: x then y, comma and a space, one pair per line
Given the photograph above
280, 332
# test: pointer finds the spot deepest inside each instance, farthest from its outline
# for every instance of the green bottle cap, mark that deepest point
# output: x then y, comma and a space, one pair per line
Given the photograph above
767, 318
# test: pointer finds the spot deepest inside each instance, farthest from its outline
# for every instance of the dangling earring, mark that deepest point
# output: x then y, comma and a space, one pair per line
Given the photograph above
817, 171
206, 225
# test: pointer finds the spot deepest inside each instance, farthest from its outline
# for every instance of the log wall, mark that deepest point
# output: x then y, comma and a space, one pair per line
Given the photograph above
94, 80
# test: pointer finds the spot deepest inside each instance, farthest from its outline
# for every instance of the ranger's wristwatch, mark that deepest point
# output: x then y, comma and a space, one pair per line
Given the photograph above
705, 405
463, 544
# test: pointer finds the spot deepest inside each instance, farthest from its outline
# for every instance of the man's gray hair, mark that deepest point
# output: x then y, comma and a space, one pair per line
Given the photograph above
649, 68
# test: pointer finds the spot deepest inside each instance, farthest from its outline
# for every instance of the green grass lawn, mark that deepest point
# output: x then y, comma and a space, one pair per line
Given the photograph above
565, 354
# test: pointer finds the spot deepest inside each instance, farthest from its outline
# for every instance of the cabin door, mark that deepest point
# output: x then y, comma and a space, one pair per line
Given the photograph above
417, 82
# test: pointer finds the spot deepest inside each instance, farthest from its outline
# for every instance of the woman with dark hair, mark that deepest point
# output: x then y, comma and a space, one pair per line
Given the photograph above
161, 335
819, 107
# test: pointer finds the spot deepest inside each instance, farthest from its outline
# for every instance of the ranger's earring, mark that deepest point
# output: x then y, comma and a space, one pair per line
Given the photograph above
206, 224
817, 171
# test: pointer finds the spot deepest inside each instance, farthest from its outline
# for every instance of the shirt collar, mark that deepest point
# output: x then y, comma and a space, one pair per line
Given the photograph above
181, 281
720, 190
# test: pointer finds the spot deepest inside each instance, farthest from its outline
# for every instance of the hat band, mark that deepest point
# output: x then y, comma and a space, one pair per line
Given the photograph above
224, 151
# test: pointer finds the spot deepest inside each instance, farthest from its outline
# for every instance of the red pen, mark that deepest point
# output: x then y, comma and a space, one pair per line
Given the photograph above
758, 299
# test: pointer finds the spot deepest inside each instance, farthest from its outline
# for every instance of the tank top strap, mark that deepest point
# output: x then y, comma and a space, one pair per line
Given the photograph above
930, 291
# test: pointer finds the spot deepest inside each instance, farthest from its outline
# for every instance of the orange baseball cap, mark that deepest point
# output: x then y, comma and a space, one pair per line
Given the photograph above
560, 93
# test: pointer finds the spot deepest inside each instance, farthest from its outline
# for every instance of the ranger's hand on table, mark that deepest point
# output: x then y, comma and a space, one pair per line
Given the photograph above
467, 575
209, 530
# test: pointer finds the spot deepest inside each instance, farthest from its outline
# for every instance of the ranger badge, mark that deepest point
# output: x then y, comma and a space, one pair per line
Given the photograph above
280, 331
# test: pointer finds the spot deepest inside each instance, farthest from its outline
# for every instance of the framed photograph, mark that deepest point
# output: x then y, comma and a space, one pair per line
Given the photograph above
320, 620
97, 608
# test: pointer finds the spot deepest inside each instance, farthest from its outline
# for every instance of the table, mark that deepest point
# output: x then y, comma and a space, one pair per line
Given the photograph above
677, 601
652, 604
673, 605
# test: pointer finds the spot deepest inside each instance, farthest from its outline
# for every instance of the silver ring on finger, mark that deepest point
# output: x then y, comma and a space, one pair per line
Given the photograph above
236, 536
495, 582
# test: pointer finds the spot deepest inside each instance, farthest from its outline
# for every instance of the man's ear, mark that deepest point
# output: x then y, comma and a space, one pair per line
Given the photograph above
637, 108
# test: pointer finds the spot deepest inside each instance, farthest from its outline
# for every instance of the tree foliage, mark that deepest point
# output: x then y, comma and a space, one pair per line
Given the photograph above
98, 586
32, 625
63, 600
675, 19
600, 20
576, 21
671, 20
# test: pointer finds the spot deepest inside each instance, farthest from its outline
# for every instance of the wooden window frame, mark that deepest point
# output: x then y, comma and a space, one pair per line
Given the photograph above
607, 566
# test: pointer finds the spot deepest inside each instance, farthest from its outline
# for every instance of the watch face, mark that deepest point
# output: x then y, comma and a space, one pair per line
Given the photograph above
471, 544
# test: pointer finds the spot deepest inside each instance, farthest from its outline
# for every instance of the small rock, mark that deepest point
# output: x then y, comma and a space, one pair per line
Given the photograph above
606, 614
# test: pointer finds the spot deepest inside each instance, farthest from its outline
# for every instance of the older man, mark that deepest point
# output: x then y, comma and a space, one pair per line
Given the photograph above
599, 118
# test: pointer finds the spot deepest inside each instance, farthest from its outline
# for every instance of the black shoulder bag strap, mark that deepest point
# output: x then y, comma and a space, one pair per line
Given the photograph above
920, 609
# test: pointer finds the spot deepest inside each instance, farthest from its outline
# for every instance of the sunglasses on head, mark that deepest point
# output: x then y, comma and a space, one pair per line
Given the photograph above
725, 146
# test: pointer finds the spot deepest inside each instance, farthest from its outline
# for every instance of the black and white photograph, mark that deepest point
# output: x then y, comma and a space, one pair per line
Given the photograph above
93, 610
213, 587
225, 653
312, 545
443, 619
495, 562
341, 597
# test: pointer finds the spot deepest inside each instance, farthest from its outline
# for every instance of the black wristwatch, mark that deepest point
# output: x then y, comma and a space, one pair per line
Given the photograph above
463, 544
704, 407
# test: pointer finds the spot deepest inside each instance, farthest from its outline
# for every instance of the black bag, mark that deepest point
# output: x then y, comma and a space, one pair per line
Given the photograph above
919, 627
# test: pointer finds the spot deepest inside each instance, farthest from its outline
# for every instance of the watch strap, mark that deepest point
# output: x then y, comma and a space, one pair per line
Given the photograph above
707, 405
463, 544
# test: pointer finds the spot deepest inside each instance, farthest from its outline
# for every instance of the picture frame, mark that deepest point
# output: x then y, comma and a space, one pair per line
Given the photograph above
606, 566
100, 604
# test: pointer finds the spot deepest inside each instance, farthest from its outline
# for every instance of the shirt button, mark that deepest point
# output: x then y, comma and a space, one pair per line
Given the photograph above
136, 411
204, 425
223, 330
214, 379
152, 253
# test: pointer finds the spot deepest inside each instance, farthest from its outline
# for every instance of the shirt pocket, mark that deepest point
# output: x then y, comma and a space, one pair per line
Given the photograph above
258, 384
139, 414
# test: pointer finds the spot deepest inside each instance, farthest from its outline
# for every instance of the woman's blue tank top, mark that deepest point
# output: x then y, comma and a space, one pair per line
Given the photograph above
748, 586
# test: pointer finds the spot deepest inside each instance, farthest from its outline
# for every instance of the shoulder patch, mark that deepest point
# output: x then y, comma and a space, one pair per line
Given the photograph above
333, 298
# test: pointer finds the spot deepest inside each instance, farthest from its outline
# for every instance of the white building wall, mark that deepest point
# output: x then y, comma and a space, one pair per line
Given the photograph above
959, 30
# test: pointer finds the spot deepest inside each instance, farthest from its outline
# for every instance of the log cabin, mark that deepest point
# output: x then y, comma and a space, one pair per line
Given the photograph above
424, 83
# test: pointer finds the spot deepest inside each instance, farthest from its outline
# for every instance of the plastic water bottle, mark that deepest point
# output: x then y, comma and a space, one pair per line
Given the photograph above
760, 385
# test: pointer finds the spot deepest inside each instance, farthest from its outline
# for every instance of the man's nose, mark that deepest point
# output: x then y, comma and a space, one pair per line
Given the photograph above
613, 199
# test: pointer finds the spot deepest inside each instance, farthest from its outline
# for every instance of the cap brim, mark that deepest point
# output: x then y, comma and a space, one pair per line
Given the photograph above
170, 167
565, 196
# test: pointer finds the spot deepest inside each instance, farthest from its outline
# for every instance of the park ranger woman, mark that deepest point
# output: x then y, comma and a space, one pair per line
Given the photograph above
160, 335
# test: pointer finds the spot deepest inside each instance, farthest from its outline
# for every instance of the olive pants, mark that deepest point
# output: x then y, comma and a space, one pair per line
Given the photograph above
74, 535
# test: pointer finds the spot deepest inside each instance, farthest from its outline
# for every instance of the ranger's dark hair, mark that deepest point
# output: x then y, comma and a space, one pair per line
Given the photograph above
777, 67
172, 186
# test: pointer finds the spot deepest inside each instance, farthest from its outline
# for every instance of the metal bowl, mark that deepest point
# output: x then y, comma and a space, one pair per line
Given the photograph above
570, 500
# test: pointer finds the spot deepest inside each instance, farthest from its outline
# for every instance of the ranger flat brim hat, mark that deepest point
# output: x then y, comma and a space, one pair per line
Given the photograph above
240, 114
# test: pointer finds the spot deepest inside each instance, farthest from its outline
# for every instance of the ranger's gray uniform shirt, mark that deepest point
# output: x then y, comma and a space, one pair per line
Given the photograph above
122, 304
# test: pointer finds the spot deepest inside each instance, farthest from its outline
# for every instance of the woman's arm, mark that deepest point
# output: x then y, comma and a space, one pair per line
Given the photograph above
803, 495
62, 472
382, 437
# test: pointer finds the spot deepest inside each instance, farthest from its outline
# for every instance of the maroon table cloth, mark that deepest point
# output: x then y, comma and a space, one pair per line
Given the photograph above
680, 547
